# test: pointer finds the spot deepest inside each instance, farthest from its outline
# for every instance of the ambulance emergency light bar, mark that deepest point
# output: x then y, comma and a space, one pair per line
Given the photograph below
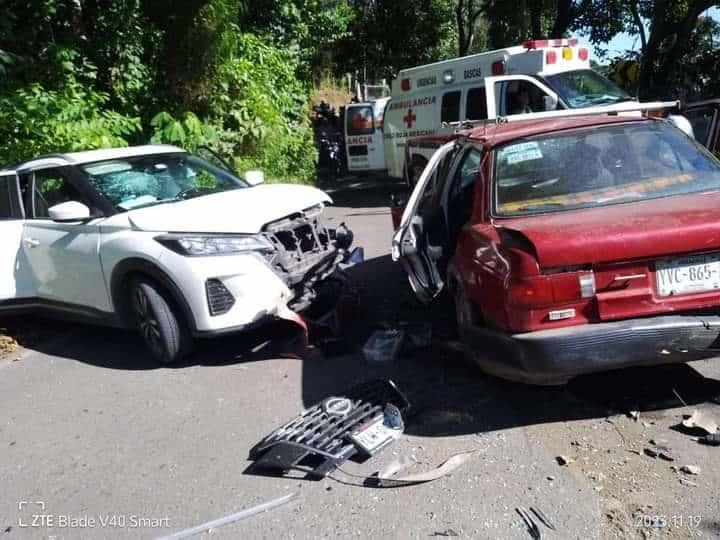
498, 67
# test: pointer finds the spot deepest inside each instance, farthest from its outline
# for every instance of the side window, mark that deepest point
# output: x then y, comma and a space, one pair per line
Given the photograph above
51, 188
6, 207
360, 121
468, 171
701, 120
450, 107
523, 97
476, 104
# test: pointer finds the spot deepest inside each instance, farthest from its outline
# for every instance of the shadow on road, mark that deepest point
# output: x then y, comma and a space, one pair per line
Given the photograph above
448, 396
365, 192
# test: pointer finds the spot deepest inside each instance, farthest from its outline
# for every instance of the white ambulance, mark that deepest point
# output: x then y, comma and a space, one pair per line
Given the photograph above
364, 136
540, 75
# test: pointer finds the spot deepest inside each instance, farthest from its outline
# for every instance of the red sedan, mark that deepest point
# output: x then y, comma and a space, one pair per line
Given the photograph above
570, 245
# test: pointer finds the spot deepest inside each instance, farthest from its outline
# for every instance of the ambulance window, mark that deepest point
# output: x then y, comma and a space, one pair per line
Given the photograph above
476, 104
450, 109
523, 97
359, 121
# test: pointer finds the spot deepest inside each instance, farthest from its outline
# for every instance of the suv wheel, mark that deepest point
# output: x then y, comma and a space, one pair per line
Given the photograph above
159, 324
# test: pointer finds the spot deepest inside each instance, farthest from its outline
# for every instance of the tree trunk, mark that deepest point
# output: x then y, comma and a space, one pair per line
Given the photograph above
563, 18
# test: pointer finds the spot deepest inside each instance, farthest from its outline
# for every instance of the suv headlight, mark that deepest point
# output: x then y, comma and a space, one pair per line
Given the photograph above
215, 244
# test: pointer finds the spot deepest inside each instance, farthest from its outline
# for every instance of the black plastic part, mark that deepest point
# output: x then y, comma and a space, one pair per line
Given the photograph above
318, 441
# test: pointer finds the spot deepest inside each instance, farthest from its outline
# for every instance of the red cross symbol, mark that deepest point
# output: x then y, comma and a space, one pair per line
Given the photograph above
409, 118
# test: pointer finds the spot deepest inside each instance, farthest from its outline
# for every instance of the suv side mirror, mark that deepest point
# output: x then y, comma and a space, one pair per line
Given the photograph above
69, 212
254, 177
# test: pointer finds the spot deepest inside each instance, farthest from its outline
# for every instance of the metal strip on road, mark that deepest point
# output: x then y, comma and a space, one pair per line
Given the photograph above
237, 516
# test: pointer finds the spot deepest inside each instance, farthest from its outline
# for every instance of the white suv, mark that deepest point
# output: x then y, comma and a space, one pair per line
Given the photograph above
154, 238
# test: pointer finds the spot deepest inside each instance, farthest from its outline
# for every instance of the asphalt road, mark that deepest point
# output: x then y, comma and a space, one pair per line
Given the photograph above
104, 444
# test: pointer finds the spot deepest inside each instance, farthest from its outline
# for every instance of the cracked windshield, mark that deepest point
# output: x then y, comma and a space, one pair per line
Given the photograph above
359, 269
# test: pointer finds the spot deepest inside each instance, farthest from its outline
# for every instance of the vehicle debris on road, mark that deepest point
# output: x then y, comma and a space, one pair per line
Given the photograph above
383, 346
359, 422
690, 469
237, 516
443, 469
698, 420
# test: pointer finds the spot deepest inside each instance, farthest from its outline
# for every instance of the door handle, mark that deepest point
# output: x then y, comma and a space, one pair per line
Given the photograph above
32, 242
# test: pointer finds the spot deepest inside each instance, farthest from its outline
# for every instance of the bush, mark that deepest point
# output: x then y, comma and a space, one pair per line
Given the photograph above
260, 107
34, 120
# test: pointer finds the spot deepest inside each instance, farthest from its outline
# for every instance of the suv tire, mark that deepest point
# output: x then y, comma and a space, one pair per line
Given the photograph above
159, 322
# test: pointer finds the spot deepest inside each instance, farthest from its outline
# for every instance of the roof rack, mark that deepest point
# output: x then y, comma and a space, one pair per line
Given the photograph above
549, 115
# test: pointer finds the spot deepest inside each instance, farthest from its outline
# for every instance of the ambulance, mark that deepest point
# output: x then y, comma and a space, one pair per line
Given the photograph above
364, 145
538, 76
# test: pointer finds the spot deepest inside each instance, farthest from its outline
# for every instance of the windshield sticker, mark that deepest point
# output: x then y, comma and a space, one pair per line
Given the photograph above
524, 155
521, 147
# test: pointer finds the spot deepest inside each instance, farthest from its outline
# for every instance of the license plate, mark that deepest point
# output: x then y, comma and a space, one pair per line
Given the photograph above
374, 435
688, 275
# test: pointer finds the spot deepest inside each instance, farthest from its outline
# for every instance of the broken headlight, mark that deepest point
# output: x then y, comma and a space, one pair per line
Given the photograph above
215, 244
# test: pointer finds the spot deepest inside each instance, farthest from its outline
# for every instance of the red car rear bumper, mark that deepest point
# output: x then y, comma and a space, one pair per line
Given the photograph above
553, 357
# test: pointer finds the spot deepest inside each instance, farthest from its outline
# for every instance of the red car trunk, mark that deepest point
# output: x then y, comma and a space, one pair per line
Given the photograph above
621, 244
623, 232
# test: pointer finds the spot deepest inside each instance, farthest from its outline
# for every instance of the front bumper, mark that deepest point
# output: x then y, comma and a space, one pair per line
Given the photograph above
555, 356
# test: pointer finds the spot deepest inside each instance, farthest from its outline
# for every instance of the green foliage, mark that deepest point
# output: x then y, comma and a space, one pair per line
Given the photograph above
188, 132
388, 35
260, 107
35, 120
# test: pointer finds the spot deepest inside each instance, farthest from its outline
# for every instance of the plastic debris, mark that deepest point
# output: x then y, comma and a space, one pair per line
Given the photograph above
383, 346
215, 523
563, 460
532, 527
698, 420
711, 440
685, 482
690, 469
444, 469
542, 517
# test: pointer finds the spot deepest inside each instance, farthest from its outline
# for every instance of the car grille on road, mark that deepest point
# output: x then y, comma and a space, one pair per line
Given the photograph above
318, 440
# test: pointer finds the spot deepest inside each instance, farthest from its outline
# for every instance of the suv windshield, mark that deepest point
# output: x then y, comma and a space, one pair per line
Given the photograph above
141, 181
600, 166
585, 88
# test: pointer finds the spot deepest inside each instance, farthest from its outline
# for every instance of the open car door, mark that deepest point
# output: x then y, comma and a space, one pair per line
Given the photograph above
704, 116
14, 282
410, 246
498, 93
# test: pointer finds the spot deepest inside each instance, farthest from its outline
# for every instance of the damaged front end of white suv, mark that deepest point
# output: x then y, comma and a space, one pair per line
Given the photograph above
307, 253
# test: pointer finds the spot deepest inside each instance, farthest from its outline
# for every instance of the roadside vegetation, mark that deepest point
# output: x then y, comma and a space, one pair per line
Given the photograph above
240, 76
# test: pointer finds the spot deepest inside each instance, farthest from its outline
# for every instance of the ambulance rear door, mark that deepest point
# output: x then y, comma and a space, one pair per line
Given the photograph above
364, 137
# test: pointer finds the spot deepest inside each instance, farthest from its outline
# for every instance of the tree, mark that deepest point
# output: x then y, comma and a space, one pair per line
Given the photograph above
388, 35
467, 16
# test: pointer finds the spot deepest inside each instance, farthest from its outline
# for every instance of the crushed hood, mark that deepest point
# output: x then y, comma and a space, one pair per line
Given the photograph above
238, 211
621, 232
